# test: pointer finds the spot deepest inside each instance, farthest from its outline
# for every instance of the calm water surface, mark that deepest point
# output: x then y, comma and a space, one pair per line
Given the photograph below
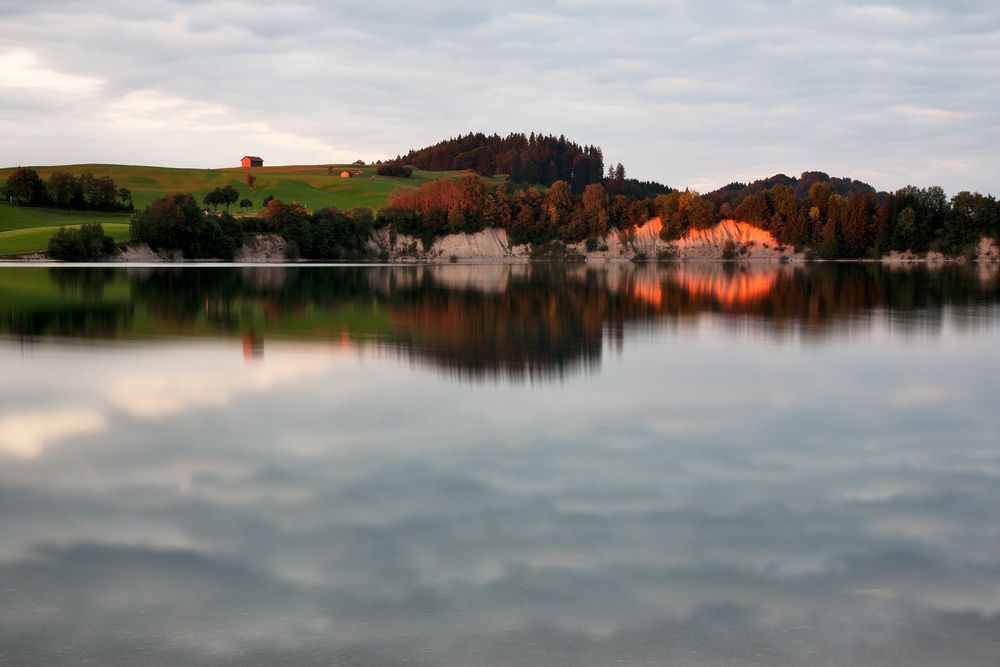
676, 465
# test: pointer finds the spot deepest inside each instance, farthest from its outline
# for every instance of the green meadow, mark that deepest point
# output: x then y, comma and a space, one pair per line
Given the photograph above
310, 185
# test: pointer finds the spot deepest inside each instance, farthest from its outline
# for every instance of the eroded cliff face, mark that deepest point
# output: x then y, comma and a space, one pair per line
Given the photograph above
488, 244
696, 244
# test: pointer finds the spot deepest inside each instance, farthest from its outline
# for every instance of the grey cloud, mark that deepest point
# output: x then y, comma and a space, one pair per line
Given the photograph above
788, 86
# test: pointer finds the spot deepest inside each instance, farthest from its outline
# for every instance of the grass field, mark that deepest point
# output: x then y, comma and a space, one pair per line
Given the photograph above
309, 185
36, 239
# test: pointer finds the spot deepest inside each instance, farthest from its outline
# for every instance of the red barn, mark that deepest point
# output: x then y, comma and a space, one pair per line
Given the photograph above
252, 161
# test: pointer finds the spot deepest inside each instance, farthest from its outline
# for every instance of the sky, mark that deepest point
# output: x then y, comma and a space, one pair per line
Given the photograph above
691, 94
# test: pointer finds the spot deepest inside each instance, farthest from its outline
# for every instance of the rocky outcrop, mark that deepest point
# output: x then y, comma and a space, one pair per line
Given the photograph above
262, 248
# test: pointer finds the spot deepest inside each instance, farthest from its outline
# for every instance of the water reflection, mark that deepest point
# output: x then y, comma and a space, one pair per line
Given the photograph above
487, 321
717, 492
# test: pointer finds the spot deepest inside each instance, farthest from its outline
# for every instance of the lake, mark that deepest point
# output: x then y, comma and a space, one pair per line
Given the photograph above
688, 464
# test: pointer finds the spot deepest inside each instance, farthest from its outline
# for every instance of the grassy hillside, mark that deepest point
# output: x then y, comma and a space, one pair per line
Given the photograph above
309, 185
26, 217
26, 229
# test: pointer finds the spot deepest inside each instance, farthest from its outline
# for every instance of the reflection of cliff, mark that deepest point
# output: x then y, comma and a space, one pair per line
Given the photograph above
727, 287
526, 320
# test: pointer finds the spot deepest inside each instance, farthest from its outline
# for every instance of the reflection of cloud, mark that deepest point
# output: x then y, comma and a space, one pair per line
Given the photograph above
26, 435
930, 114
921, 396
160, 391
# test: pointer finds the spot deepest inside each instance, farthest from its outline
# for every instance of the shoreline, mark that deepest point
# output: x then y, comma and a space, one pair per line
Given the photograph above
729, 241
486, 261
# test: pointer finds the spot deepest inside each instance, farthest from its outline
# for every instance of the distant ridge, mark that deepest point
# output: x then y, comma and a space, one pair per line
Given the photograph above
732, 193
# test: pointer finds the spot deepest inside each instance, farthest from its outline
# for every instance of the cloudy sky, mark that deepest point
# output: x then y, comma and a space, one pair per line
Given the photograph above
688, 93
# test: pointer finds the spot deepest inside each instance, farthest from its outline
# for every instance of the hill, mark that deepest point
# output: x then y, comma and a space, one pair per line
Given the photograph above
731, 194
310, 185
533, 159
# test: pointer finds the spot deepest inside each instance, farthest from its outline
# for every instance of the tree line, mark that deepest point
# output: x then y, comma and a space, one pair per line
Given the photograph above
535, 215
734, 192
857, 225
85, 192
863, 224
529, 214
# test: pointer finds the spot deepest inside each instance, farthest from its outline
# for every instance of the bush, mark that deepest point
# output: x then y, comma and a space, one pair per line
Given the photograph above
666, 254
729, 250
88, 243
326, 234
555, 251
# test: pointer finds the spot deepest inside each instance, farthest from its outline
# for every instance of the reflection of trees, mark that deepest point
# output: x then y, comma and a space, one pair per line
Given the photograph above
75, 305
524, 320
820, 299
540, 324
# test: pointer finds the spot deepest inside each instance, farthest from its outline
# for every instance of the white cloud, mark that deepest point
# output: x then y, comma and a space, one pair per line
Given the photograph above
20, 68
